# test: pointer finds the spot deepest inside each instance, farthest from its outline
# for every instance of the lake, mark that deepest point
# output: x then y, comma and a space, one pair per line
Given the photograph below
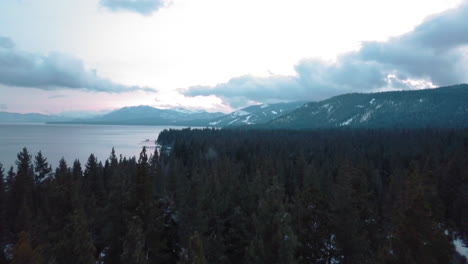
74, 141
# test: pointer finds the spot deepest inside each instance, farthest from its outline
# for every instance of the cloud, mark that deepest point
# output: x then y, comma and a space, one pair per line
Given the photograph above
6, 43
54, 71
3, 107
57, 96
144, 7
435, 50
175, 99
433, 54
239, 90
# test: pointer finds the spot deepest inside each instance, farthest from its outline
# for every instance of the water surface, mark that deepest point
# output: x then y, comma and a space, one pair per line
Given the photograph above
74, 141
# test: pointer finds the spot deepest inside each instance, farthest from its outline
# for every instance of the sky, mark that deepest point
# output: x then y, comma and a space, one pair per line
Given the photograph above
71, 57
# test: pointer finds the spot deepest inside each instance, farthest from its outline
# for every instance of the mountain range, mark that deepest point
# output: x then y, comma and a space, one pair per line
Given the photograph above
255, 114
439, 107
6, 117
444, 107
147, 115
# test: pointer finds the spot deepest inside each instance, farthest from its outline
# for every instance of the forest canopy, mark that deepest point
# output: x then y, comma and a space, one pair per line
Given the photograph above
245, 196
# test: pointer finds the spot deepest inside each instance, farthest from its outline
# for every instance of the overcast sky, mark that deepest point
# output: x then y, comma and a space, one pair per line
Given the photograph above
93, 55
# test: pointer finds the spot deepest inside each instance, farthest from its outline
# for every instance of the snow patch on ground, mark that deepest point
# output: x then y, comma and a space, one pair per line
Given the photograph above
359, 106
264, 106
460, 247
366, 116
235, 120
328, 107
215, 123
246, 121
372, 101
274, 112
347, 122
377, 107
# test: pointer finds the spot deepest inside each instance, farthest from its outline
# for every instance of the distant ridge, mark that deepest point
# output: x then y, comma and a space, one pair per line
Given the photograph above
147, 115
7, 117
444, 107
254, 114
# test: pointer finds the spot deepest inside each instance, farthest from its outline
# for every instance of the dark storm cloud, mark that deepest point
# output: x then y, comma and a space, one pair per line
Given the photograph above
52, 72
240, 89
436, 51
144, 7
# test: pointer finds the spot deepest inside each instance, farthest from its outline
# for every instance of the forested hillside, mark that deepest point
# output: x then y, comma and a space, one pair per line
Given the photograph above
254, 114
235, 196
444, 107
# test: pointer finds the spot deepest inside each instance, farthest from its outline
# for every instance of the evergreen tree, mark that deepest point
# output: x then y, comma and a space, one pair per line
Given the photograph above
144, 185
115, 212
236, 236
274, 240
41, 168
10, 179
2, 216
42, 171
148, 210
196, 248
23, 251
312, 226
134, 243
95, 200
349, 215
419, 238
155, 170
21, 194
75, 245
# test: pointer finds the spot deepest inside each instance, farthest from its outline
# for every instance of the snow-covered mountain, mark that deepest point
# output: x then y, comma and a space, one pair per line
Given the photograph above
147, 115
186, 111
444, 107
255, 114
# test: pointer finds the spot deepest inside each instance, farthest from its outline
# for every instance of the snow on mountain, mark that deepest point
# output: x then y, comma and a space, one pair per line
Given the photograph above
147, 115
186, 111
255, 114
441, 107
240, 113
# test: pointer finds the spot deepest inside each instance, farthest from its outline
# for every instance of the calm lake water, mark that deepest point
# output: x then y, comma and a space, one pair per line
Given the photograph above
74, 141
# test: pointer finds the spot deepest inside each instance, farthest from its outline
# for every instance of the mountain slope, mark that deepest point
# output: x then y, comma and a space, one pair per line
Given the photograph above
441, 107
6, 117
255, 114
147, 115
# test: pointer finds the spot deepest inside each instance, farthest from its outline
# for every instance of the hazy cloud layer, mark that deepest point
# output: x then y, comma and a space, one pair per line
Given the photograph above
434, 53
3, 107
57, 96
6, 43
144, 7
51, 72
